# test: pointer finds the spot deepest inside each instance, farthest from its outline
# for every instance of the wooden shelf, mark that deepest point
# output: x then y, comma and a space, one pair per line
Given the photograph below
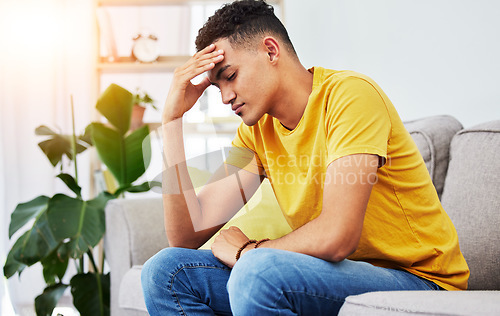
128, 64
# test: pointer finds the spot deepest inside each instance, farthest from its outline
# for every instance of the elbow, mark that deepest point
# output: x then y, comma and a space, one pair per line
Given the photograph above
336, 252
186, 245
180, 242
339, 255
174, 242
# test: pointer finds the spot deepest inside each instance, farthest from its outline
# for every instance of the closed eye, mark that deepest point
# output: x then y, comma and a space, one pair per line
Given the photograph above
231, 77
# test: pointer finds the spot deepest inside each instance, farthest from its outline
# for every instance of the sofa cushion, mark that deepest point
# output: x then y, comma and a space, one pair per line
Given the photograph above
471, 199
131, 296
433, 135
423, 303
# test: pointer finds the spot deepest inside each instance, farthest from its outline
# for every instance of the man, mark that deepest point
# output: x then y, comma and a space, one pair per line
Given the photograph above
346, 173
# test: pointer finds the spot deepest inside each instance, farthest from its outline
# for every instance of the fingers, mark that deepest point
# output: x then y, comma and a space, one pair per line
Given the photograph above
208, 52
231, 232
204, 63
183, 94
201, 62
207, 49
229, 229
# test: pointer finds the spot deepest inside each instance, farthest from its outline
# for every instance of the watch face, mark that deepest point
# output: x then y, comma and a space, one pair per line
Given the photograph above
146, 49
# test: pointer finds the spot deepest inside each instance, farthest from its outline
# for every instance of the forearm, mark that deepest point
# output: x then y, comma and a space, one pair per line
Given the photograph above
182, 211
316, 238
183, 216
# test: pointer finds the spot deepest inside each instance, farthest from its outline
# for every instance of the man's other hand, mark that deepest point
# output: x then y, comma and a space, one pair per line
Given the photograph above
227, 243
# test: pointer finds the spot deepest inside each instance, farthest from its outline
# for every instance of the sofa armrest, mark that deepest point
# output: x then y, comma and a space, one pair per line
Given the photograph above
134, 233
135, 230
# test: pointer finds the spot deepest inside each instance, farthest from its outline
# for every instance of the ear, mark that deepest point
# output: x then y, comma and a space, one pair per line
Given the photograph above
272, 48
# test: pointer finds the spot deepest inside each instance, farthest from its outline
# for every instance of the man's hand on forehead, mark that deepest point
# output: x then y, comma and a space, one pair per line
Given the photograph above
214, 74
209, 57
183, 93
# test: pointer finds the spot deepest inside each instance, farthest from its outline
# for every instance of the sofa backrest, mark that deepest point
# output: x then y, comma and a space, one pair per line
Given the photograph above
433, 135
471, 197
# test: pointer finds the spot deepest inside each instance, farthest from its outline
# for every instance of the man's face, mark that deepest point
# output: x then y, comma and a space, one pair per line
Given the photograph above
245, 80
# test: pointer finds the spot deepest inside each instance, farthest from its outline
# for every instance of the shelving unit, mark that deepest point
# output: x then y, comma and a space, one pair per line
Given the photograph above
127, 64
166, 64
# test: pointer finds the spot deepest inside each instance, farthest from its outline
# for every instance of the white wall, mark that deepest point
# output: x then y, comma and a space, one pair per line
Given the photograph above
43, 64
430, 56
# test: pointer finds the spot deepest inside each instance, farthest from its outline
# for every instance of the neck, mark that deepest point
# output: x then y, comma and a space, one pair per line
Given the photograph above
294, 93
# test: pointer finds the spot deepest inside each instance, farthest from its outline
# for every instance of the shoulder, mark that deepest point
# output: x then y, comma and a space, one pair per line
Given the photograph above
346, 87
351, 96
330, 79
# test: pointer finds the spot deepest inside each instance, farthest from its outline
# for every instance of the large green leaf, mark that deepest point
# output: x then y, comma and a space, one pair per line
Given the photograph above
143, 187
44, 130
81, 221
100, 201
85, 291
116, 103
55, 148
37, 243
79, 224
47, 301
109, 145
75, 219
138, 151
71, 183
58, 144
24, 212
54, 267
87, 136
11, 264
122, 156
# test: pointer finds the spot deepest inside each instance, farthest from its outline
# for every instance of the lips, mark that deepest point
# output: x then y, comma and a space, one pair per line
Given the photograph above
236, 108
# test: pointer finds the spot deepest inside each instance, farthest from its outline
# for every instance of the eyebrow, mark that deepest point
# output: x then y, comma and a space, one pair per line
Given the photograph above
221, 70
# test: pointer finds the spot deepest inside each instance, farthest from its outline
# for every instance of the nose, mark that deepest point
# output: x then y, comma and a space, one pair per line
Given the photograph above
228, 96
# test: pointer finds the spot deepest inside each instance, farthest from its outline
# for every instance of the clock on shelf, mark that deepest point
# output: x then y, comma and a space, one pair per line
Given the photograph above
146, 48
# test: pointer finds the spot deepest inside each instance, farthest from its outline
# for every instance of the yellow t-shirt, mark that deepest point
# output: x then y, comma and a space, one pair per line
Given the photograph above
405, 226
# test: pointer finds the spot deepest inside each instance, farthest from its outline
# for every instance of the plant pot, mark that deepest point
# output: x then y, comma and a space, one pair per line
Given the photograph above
137, 117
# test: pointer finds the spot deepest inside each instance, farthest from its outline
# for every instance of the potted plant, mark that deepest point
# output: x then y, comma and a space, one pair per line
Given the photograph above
142, 100
65, 228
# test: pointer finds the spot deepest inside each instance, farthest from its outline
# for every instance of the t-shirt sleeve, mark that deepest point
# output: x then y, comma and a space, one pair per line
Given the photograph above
357, 120
242, 154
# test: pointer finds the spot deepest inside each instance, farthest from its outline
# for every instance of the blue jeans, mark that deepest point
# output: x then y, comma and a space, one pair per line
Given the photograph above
265, 281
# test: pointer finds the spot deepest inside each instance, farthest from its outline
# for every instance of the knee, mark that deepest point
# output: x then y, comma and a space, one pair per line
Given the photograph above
255, 271
160, 266
255, 260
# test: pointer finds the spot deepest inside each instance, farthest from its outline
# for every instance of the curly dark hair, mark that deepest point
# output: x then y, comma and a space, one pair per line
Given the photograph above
241, 22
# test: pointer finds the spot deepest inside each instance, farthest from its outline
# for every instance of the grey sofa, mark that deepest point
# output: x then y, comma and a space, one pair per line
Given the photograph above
465, 167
